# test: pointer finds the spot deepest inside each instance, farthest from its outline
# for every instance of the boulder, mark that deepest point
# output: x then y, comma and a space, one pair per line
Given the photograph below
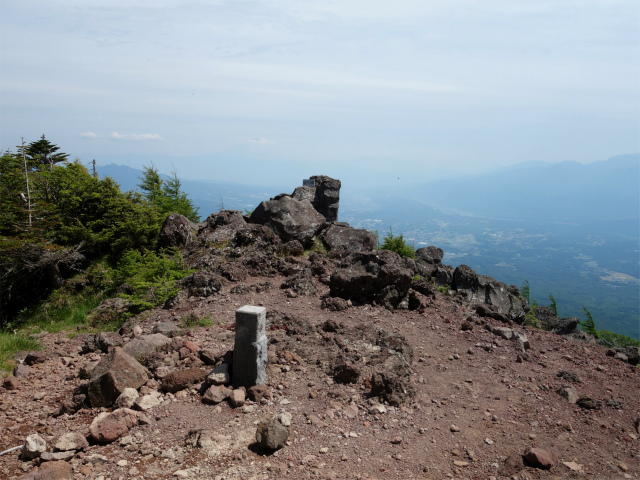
465, 282
632, 354
202, 284
102, 342
326, 199
33, 358
301, 283
168, 329
291, 219
220, 227
365, 275
108, 427
503, 301
550, 322
429, 255
115, 372
273, 432
443, 275
293, 248
144, 345
342, 240
177, 231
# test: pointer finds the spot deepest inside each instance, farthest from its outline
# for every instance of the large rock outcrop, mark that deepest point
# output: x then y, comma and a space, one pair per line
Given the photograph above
326, 199
291, 219
502, 301
550, 322
381, 275
177, 231
343, 239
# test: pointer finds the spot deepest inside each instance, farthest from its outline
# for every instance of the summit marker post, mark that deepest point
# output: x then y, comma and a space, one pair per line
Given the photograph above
250, 350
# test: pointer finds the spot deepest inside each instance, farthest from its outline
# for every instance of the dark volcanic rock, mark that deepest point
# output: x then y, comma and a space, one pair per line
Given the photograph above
202, 284
465, 282
291, 219
429, 255
443, 275
177, 231
301, 283
550, 322
343, 239
366, 276
220, 228
327, 197
293, 247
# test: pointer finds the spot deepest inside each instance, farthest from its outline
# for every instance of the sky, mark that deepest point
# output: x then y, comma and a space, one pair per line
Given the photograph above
361, 90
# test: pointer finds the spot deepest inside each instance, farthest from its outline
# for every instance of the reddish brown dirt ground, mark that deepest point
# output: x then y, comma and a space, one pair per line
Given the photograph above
498, 405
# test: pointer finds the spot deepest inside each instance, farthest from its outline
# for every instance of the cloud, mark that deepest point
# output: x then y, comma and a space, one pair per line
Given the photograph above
90, 135
261, 141
136, 136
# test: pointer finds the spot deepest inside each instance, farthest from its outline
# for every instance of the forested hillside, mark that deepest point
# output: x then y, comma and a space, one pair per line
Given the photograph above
57, 218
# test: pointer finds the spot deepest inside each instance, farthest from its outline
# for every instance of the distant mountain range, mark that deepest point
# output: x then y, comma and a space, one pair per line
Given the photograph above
561, 192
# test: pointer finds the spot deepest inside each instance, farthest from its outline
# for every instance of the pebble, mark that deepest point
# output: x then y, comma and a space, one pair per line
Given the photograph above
488, 441
455, 428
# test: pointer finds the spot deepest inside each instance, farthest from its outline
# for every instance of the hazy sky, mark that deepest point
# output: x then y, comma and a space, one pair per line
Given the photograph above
253, 90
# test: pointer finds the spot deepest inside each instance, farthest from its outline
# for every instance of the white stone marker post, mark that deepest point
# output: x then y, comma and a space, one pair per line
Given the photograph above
250, 350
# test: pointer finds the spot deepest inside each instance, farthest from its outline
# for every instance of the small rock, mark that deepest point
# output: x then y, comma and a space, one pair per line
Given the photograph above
569, 393
33, 446
396, 440
107, 427
589, 403
147, 402
573, 466
460, 463
11, 383
237, 398
33, 358
377, 409
273, 432
127, 398
256, 392
351, 411
21, 370
219, 375
454, 428
216, 394
488, 441
539, 458
71, 441
57, 456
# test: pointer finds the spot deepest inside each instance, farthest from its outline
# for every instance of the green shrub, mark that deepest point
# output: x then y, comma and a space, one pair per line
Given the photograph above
191, 320
149, 278
396, 243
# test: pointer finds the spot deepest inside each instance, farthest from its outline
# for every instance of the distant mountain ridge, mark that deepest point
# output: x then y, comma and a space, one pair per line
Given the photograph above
562, 192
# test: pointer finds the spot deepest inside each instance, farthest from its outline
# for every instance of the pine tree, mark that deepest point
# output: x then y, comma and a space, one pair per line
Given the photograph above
589, 325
